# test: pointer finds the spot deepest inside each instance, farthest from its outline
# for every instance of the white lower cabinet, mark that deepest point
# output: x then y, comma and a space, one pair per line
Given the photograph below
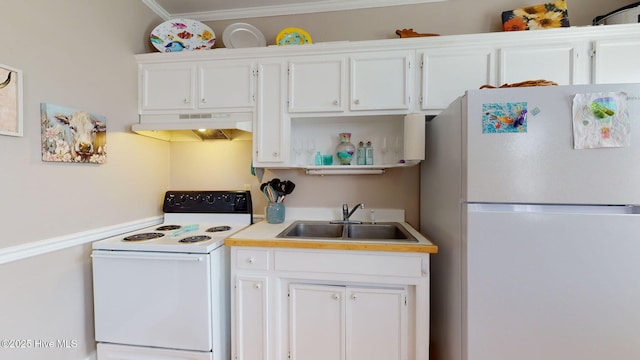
317, 322
250, 328
345, 322
303, 304
376, 324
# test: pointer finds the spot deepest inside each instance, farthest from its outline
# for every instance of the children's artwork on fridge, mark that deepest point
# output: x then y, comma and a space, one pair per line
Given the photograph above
504, 118
600, 120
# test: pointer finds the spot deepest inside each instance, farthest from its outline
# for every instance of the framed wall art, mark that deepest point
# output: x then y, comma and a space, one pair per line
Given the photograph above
70, 135
10, 101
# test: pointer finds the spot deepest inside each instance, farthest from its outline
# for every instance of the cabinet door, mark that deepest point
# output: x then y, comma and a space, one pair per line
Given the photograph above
381, 80
447, 73
227, 85
167, 87
376, 324
250, 333
616, 61
270, 130
553, 62
317, 322
317, 84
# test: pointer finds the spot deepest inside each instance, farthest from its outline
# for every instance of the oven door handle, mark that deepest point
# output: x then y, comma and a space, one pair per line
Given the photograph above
163, 257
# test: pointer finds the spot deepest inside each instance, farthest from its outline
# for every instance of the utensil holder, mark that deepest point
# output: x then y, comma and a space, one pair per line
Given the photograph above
275, 213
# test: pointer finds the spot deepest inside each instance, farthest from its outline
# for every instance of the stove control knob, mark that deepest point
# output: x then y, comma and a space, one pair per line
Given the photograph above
199, 198
170, 200
241, 203
183, 198
211, 199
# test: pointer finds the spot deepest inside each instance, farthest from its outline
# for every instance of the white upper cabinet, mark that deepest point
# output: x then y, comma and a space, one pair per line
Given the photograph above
381, 80
558, 62
616, 61
167, 87
447, 72
271, 129
191, 87
227, 84
317, 84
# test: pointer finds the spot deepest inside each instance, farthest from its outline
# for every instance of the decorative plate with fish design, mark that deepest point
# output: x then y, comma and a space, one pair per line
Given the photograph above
293, 36
182, 35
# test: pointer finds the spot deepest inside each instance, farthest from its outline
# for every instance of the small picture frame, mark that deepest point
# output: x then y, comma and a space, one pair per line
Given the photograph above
72, 136
10, 101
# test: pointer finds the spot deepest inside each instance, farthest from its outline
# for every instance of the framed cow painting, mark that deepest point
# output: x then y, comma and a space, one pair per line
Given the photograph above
70, 135
10, 101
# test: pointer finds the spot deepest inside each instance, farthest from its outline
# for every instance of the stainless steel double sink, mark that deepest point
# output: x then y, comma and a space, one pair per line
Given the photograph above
325, 230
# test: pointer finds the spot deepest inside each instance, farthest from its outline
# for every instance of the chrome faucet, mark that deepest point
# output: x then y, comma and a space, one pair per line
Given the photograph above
346, 214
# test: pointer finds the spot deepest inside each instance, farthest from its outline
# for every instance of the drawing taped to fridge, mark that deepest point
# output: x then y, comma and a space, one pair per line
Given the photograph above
600, 120
510, 117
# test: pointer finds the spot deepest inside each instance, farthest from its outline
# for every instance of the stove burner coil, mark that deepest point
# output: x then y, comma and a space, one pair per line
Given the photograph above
168, 227
219, 228
193, 239
143, 236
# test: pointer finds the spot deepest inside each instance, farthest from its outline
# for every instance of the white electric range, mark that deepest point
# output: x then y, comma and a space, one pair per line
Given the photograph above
163, 291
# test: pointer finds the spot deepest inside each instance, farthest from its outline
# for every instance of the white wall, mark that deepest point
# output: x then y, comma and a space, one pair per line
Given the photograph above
225, 165
79, 54
449, 17
75, 53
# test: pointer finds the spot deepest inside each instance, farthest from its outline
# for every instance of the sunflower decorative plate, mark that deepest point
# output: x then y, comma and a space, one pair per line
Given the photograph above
182, 35
293, 36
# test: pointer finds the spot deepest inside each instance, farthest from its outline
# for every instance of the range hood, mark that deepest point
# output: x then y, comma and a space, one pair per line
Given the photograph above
196, 127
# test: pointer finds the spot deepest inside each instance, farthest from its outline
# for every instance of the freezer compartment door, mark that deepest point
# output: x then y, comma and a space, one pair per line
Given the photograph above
125, 352
153, 299
539, 164
547, 283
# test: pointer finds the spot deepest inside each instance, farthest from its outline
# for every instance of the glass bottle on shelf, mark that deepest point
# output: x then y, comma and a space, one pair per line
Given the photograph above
345, 149
361, 154
368, 153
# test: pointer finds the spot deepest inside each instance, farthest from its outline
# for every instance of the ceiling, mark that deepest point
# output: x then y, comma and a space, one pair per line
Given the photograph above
209, 10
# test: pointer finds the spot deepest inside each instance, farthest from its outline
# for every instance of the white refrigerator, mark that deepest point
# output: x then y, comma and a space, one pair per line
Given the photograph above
536, 219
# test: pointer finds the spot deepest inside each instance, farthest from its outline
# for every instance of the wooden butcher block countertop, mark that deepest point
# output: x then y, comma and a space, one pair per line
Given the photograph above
263, 234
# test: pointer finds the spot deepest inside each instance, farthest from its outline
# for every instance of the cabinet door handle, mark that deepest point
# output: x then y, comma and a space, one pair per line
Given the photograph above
354, 297
336, 296
251, 260
356, 101
257, 286
186, 101
204, 101
275, 154
336, 102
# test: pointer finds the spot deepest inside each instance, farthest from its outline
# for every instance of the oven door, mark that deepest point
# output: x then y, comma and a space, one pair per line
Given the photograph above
153, 299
